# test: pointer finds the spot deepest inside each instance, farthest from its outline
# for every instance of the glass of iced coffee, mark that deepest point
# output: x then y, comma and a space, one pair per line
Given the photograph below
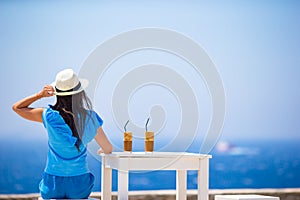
149, 141
128, 141
149, 138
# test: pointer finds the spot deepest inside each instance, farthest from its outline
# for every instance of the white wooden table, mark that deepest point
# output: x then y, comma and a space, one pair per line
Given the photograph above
181, 162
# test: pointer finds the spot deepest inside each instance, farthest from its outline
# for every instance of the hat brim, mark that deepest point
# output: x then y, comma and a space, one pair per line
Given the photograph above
84, 83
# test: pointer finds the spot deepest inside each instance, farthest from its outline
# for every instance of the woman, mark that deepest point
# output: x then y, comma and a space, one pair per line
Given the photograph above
71, 124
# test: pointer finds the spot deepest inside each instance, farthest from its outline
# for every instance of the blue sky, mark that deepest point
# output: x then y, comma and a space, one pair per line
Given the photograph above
254, 44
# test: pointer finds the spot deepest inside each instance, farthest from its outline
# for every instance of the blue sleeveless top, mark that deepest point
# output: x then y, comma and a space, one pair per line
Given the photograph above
63, 157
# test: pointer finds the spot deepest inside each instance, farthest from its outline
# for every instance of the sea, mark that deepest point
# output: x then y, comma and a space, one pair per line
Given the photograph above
234, 164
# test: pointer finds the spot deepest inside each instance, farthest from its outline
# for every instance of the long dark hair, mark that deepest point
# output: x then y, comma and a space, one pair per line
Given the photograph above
74, 110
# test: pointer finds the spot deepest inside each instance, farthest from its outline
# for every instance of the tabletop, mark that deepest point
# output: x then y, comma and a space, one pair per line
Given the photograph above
155, 155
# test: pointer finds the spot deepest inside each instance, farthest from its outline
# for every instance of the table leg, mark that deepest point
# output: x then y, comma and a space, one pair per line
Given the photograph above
122, 185
181, 184
203, 179
106, 183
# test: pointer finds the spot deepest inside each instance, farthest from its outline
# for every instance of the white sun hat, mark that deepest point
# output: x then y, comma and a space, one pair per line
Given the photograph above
67, 83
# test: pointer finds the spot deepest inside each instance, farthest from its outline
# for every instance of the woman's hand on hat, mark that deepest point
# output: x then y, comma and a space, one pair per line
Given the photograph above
47, 91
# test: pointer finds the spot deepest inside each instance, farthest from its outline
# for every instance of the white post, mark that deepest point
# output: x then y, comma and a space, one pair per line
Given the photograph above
106, 182
181, 184
203, 179
122, 185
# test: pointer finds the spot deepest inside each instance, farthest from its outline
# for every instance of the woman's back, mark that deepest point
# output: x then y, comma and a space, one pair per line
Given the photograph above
63, 158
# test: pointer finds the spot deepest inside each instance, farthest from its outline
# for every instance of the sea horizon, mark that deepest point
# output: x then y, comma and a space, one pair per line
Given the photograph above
235, 164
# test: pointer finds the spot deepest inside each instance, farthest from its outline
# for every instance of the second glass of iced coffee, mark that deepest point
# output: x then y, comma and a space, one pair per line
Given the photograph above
149, 141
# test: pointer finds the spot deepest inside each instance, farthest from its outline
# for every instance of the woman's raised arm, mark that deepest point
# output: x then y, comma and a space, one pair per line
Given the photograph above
34, 114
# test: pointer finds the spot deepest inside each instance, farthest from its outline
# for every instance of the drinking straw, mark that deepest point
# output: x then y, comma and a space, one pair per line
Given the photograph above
126, 125
147, 124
